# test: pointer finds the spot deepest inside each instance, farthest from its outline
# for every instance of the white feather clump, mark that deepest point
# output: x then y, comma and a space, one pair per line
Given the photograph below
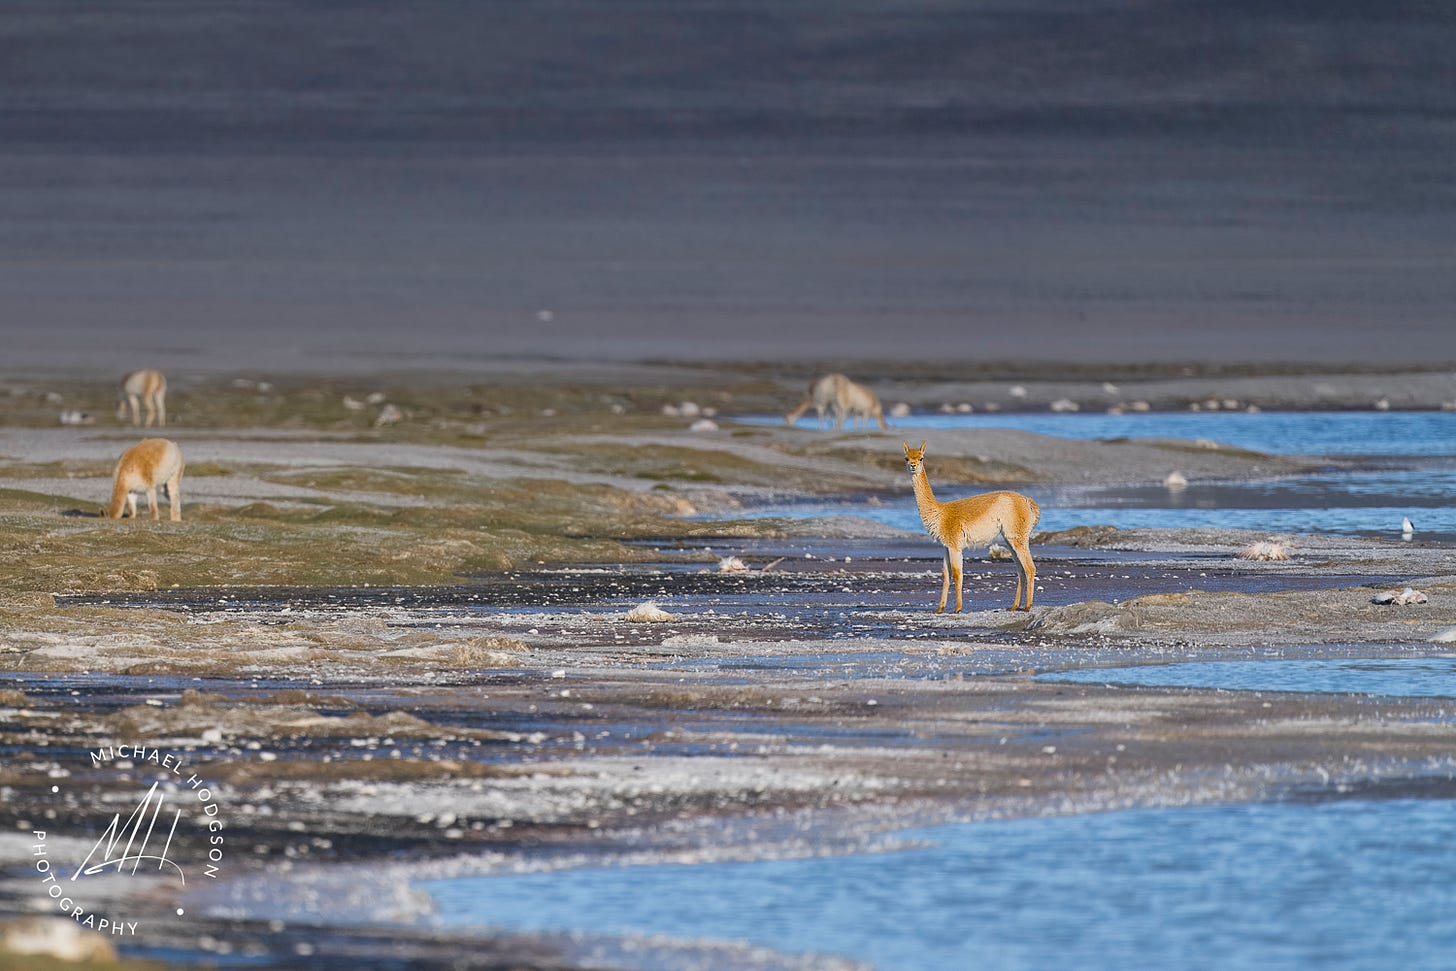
649, 613
1401, 597
1264, 550
998, 552
732, 564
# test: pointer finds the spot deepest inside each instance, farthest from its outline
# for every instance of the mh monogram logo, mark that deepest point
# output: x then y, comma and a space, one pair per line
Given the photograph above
142, 845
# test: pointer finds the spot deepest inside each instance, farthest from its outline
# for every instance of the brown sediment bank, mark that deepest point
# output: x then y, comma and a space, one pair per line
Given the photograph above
354, 621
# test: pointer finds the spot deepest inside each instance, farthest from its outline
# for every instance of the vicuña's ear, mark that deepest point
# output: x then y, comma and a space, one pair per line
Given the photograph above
907, 446
922, 446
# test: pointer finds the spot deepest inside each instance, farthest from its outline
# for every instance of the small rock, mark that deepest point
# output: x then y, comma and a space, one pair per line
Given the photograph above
649, 613
900, 410
53, 937
1399, 597
1175, 480
1065, 404
1264, 550
703, 425
388, 415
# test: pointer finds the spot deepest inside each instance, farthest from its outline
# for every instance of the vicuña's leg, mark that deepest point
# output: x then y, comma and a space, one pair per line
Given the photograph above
152, 502
161, 409
134, 405
174, 497
1025, 570
955, 569
131, 504
944, 580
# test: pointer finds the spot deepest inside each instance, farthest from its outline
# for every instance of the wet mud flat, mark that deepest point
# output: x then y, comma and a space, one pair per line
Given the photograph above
786, 590
401, 653
799, 710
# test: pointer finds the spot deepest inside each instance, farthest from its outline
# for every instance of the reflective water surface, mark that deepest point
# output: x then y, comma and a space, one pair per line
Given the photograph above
1416, 481
1404, 677
1275, 432
1339, 885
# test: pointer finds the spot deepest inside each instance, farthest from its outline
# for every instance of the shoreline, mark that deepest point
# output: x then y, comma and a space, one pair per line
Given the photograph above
355, 621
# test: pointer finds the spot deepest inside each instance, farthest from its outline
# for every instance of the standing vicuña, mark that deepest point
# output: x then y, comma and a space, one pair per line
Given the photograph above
977, 521
140, 388
141, 468
845, 398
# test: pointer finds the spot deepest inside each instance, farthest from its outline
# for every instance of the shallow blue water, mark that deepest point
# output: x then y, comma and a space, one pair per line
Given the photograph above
1349, 503
1365, 502
1346, 886
1405, 677
1404, 433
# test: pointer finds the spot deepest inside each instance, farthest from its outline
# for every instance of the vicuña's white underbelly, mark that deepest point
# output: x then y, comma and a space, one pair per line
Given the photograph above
984, 534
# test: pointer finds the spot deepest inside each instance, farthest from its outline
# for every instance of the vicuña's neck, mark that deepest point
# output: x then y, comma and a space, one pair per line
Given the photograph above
118, 500
925, 499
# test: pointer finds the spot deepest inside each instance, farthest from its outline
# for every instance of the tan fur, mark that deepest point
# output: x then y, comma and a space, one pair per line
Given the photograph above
845, 398
141, 468
140, 388
1008, 517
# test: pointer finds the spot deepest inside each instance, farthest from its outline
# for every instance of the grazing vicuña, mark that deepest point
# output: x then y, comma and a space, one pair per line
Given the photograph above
141, 468
140, 388
837, 393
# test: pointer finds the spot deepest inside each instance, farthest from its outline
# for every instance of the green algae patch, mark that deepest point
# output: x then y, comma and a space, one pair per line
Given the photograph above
403, 481
455, 524
668, 463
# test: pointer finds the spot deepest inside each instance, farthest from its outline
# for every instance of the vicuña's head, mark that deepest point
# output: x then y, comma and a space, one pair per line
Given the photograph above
914, 458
